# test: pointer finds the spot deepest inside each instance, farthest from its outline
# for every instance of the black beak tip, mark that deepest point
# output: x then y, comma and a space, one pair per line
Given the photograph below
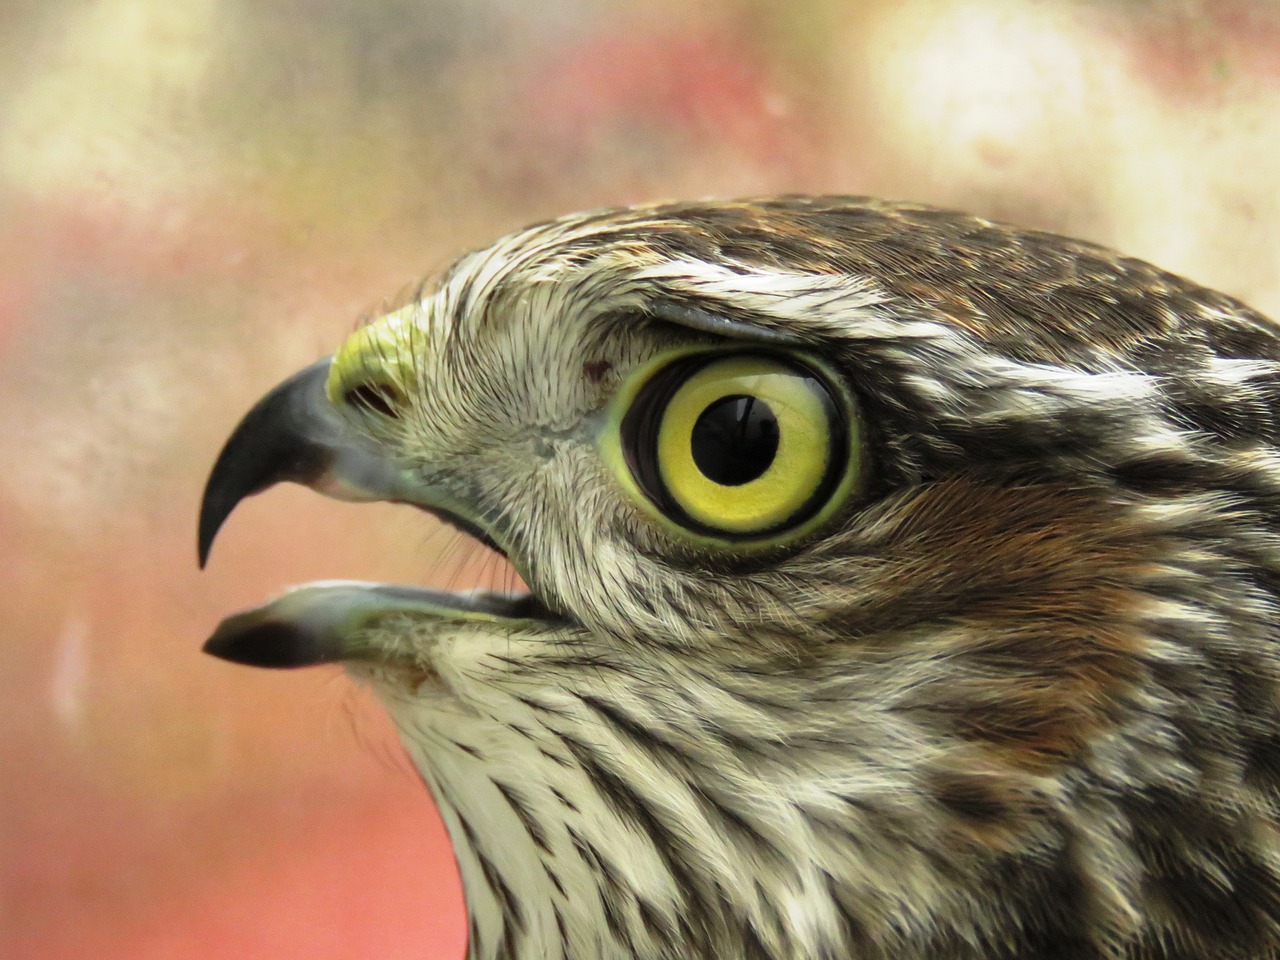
210, 523
240, 471
249, 639
221, 496
287, 435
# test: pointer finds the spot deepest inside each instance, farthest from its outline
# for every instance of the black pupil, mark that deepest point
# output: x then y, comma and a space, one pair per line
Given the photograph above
735, 440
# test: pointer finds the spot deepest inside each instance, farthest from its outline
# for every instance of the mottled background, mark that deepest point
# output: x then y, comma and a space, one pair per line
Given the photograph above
199, 196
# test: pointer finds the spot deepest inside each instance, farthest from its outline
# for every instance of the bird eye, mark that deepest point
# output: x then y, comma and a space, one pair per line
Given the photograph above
738, 445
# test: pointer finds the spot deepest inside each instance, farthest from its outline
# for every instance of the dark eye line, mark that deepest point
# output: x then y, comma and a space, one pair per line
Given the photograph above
721, 325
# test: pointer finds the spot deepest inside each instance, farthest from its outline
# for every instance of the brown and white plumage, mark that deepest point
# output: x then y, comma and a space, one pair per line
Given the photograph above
1017, 697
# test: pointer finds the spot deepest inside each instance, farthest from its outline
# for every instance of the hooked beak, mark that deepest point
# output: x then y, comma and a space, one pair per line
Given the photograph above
296, 434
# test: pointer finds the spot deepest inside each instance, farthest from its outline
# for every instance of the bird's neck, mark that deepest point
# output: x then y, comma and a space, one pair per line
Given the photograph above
597, 814
547, 874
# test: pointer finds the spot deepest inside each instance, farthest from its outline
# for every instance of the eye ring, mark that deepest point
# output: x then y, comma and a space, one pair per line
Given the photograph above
736, 447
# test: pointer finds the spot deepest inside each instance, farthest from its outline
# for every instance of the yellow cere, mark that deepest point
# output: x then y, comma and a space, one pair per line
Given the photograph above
378, 356
799, 465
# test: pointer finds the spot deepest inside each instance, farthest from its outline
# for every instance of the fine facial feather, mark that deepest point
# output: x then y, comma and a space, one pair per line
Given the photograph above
1017, 699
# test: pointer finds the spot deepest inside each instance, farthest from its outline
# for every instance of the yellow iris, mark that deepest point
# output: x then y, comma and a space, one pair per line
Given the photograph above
794, 450
734, 448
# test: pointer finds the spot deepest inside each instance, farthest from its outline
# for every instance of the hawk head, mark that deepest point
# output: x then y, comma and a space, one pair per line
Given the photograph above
902, 584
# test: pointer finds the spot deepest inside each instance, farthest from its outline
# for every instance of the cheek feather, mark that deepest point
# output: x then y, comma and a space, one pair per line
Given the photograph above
1033, 606
985, 810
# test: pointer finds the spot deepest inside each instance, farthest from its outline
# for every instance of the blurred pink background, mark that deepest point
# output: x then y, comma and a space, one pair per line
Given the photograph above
197, 198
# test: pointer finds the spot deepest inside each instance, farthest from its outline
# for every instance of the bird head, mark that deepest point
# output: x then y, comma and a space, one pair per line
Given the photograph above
900, 584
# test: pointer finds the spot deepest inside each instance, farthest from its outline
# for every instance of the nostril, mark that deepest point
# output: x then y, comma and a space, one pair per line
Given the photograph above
383, 399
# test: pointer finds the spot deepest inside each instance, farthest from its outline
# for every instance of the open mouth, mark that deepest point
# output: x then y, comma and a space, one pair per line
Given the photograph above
510, 604
294, 434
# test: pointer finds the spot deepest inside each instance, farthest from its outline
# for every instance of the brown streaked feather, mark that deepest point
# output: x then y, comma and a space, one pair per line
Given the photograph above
1019, 699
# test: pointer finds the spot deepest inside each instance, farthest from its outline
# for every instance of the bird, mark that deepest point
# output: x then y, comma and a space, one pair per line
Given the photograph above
901, 584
